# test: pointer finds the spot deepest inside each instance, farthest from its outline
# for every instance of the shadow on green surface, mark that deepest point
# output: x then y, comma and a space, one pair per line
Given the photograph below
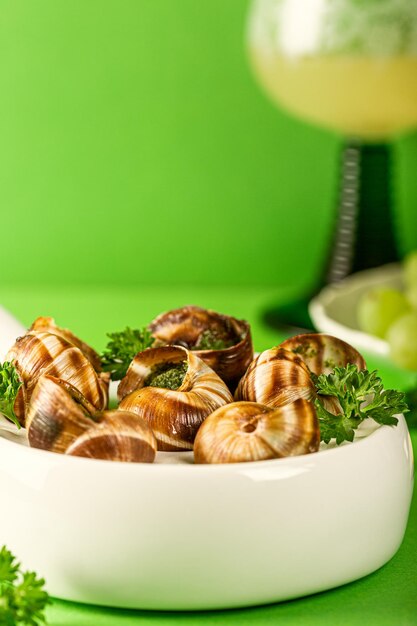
356, 603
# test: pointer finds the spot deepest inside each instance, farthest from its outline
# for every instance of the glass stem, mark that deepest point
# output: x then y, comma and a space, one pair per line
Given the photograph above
364, 234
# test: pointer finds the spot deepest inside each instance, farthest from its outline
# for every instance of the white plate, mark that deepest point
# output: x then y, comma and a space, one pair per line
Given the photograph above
178, 536
182, 536
333, 310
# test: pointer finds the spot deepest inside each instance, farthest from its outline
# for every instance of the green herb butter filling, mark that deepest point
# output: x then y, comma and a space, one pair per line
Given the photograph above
167, 375
305, 350
210, 340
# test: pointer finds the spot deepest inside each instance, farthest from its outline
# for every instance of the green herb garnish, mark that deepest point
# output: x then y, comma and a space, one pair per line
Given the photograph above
9, 387
167, 375
22, 597
122, 348
210, 340
361, 395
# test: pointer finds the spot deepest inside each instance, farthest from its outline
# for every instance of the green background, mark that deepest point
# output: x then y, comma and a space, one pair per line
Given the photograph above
136, 148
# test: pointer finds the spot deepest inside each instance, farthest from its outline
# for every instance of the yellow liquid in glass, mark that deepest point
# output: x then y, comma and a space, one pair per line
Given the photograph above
371, 98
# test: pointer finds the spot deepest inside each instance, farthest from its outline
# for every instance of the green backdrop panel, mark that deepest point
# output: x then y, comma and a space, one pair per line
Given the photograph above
136, 147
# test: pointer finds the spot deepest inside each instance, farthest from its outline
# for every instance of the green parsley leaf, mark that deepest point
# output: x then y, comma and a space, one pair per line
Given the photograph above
361, 395
9, 387
8, 566
122, 348
22, 596
337, 427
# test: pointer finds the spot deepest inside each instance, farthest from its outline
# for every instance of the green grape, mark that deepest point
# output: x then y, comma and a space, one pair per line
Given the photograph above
379, 308
412, 296
402, 339
410, 269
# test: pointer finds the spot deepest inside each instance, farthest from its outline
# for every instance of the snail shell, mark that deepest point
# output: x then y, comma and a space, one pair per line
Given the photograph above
120, 436
185, 326
38, 353
47, 324
283, 374
173, 415
60, 420
247, 431
322, 353
55, 416
276, 377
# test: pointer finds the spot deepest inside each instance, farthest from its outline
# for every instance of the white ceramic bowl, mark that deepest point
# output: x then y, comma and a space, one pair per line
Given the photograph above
174, 535
10, 329
182, 536
333, 310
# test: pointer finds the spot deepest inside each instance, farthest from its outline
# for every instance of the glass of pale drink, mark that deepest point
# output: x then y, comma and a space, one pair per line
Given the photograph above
349, 66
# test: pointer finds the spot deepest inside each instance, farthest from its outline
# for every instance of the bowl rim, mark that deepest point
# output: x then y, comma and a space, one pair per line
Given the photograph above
380, 432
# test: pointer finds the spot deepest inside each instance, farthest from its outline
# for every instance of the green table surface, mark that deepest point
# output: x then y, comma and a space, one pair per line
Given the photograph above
386, 597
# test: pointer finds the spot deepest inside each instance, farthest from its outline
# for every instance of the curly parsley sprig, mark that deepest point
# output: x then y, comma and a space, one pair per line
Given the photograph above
22, 597
9, 387
360, 394
122, 348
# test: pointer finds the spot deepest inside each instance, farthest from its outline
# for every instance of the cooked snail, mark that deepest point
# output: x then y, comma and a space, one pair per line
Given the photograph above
282, 374
247, 431
47, 324
276, 377
322, 353
223, 342
61, 420
171, 395
38, 353
57, 415
120, 436
174, 391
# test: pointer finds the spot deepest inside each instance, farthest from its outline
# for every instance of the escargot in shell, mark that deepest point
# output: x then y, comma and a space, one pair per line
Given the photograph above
57, 414
285, 373
221, 341
276, 377
47, 325
119, 436
322, 353
248, 431
174, 391
61, 420
38, 353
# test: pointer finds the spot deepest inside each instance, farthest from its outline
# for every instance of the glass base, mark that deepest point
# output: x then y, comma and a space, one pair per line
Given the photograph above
291, 317
364, 234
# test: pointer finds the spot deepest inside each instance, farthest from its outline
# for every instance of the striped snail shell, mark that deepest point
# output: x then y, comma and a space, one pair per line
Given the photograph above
38, 353
276, 377
120, 436
47, 324
283, 374
61, 420
187, 327
173, 414
322, 353
247, 431
56, 415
